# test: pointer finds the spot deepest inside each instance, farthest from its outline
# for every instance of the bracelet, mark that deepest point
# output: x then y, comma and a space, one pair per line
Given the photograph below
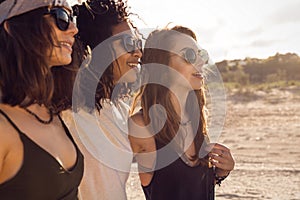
219, 179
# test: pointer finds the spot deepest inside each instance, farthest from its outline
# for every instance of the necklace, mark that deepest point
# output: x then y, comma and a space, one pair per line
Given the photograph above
38, 118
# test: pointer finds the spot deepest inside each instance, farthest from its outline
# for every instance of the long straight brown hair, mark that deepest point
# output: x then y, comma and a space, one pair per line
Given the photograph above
152, 94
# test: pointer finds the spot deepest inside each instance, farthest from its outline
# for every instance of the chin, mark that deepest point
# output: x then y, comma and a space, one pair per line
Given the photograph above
197, 87
60, 62
67, 60
129, 77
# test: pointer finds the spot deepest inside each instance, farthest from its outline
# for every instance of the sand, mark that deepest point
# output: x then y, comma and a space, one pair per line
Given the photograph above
263, 132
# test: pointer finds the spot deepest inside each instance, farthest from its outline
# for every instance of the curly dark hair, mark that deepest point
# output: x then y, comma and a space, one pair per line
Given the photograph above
95, 21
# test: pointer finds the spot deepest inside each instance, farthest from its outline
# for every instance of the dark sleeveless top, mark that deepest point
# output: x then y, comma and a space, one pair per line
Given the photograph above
41, 177
179, 181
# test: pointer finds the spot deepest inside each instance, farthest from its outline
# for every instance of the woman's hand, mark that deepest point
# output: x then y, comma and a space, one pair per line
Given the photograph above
220, 157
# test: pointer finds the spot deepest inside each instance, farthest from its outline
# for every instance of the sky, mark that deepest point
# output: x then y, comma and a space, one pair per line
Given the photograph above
228, 29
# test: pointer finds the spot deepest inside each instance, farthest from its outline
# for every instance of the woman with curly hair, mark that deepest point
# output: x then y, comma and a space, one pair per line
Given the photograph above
169, 135
38, 157
100, 123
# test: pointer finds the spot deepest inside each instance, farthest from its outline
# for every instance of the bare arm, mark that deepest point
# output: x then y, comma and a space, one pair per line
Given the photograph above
143, 146
4, 149
11, 151
141, 139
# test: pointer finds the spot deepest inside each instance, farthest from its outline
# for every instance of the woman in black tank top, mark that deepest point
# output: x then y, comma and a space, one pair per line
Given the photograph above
38, 157
174, 156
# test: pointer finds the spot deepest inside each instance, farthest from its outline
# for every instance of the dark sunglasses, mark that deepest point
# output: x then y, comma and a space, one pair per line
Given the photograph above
62, 18
130, 43
98, 7
191, 56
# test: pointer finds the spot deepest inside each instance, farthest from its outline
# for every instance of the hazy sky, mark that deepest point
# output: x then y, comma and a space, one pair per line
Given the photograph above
229, 29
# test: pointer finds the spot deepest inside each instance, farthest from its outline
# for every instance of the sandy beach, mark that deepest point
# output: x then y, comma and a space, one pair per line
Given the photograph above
263, 132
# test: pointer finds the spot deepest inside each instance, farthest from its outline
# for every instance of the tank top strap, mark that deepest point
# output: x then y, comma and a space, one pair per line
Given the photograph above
67, 130
10, 121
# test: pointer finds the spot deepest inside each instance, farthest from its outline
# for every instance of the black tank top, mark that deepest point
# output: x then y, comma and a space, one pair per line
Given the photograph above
178, 181
41, 177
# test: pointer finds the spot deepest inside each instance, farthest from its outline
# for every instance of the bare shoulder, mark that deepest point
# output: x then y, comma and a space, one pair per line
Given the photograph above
7, 133
7, 138
137, 126
140, 137
4, 128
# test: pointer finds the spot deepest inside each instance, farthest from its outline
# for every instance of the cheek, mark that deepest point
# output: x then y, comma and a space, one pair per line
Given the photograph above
116, 70
122, 61
177, 63
119, 70
179, 66
55, 31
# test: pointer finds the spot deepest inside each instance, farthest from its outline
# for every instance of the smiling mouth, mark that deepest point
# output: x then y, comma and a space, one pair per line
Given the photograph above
132, 65
198, 75
67, 44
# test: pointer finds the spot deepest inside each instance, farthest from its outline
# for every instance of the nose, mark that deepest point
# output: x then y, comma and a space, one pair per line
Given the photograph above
73, 28
199, 65
138, 53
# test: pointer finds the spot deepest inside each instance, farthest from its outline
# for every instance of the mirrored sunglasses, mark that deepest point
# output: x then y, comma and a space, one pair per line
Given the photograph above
191, 56
62, 18
130, 43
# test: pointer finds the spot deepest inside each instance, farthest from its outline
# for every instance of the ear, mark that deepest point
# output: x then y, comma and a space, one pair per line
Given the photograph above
6, 27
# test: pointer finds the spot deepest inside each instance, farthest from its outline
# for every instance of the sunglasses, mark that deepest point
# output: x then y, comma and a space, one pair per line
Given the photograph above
130, 43
191, 56
98, 7
62, 18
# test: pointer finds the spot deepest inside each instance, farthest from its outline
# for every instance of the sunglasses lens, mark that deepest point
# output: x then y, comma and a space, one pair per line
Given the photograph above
62, 19
190, 56
129, 44
204, 55
98, 7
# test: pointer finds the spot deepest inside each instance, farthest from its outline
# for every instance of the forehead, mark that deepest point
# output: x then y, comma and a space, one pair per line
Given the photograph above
181, 41
122, 27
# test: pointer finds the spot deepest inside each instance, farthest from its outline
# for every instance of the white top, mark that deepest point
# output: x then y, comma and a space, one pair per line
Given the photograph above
103, 140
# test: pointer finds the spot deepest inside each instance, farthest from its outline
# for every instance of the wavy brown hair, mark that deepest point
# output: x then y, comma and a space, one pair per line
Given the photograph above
151, 94
25, 78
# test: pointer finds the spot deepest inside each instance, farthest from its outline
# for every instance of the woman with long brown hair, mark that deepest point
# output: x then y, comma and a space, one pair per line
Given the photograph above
169, 135
38, 157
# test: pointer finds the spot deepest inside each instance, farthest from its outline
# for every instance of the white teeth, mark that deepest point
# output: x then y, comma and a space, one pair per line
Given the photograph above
66, 44
133, 64
198, 74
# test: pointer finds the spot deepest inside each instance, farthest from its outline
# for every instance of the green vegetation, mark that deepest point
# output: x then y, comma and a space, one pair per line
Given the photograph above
278, 71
